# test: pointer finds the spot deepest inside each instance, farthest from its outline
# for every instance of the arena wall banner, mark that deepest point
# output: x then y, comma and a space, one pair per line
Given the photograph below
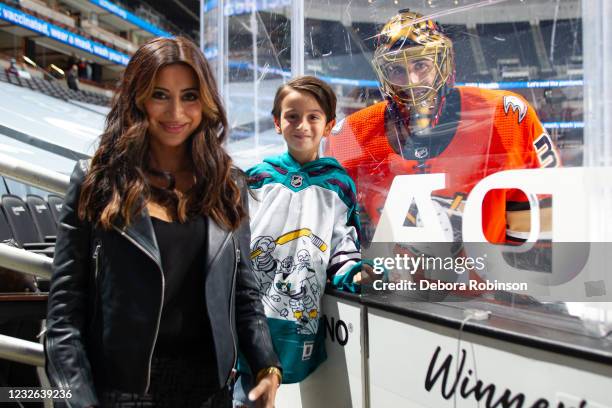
242, 7
422, 365
59, 34
127, 16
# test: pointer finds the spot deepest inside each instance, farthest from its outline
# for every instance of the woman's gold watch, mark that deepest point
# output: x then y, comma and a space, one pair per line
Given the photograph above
269, 370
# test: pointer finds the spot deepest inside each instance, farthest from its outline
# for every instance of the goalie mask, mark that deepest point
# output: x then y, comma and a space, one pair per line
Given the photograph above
414, 61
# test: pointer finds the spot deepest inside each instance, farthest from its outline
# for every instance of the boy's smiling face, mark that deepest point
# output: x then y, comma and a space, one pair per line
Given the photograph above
303, 124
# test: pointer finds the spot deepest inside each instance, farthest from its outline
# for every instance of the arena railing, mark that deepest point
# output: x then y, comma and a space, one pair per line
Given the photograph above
21, 351
20, 260
33, 175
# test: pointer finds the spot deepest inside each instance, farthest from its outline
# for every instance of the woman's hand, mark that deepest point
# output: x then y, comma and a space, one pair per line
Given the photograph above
265, 391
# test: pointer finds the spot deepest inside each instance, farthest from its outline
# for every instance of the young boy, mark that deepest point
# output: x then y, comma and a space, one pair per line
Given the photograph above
304, 226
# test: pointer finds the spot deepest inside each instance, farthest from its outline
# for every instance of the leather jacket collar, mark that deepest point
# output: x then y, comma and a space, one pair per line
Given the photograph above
140, 232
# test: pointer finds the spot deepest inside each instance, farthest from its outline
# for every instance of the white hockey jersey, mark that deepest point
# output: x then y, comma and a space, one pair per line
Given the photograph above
304, 228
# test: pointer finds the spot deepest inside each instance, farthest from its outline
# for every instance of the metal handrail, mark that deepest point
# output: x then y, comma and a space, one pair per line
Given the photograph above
21, 351
36, 176
23, 261
20, 260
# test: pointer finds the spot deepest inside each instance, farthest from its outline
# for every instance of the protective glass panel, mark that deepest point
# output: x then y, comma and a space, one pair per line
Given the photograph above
210, 33
461, 122
446, 98
257, 60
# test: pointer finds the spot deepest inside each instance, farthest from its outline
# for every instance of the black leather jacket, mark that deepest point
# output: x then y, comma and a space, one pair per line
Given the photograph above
106, 296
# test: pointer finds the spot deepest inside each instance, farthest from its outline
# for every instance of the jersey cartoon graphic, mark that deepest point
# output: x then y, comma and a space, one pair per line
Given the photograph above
288, 284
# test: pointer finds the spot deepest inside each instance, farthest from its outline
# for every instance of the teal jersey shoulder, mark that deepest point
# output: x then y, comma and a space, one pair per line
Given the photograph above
325, 172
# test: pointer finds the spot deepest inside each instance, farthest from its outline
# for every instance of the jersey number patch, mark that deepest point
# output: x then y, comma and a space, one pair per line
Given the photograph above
546, 152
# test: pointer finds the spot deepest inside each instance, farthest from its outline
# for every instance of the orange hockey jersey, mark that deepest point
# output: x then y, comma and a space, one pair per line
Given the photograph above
480, 132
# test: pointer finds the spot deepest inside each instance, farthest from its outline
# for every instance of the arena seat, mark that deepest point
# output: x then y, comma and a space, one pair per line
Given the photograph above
567, 40
464, 55
507, 41
23, 227
55, 89
5, 230
43, 219
55, 205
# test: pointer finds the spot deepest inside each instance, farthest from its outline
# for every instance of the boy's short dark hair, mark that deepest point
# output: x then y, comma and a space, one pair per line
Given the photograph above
317, 88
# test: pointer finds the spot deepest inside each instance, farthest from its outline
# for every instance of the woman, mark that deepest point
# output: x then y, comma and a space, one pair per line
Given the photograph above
152, 285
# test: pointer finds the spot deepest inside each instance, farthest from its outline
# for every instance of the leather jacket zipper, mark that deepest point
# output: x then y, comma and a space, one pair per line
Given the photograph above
161, 305
231, 311
61, 384
96, 259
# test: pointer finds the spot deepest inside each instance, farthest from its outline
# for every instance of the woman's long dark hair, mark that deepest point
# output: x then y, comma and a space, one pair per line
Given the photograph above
115, 189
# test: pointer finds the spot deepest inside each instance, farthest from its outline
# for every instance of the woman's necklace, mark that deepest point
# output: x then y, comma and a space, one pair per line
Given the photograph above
168, 176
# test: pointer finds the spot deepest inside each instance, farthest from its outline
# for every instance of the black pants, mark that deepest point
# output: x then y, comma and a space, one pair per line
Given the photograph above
175, 382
